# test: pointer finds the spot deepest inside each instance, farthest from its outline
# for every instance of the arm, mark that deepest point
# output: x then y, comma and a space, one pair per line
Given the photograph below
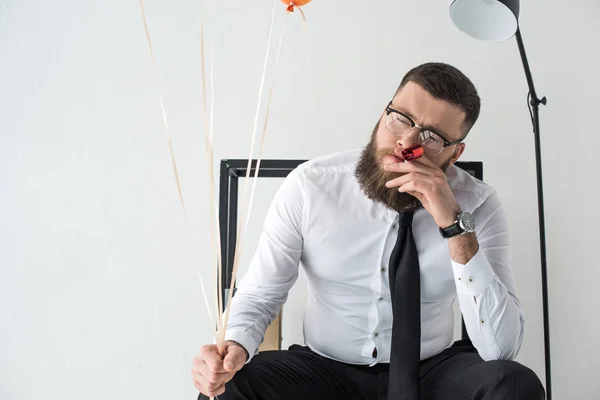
481, 264
273, 268
463, 248
486, 290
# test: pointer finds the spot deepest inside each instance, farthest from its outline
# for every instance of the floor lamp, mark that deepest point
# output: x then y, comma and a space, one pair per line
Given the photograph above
494, 21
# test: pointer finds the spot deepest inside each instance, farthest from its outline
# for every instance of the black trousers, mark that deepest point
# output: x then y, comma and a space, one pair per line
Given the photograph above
458, 373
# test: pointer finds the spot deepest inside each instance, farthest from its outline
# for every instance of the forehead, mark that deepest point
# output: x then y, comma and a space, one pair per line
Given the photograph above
427, 111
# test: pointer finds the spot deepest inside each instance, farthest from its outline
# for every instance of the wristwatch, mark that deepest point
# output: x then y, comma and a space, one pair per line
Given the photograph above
464, 224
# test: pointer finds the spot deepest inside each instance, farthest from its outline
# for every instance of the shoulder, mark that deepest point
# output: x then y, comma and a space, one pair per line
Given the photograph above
340, 163
329, 170
324, 173
471, 193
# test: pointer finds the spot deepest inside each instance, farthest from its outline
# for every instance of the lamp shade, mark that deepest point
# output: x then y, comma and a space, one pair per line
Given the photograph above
487, 20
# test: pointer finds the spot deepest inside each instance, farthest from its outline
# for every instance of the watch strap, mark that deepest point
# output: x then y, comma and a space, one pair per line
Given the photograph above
452, 230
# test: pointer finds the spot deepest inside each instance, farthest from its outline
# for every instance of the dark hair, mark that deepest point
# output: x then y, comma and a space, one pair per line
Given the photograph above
445, 82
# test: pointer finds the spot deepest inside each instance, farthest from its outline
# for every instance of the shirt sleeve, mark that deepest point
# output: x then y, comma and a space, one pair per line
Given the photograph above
486, 289
273, 269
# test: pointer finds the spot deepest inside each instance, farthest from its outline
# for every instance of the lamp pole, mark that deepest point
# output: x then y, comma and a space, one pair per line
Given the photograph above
494, 21
534, 105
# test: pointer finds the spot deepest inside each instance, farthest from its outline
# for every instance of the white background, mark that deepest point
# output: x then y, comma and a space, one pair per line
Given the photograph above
99, 294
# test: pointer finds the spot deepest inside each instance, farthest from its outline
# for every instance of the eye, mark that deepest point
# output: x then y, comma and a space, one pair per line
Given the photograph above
401, 119
430, 137
432, 143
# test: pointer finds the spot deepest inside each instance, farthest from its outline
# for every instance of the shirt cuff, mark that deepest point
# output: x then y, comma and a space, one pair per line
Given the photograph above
473, 277
244, 338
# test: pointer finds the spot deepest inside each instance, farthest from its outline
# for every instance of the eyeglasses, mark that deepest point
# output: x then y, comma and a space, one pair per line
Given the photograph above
400, 124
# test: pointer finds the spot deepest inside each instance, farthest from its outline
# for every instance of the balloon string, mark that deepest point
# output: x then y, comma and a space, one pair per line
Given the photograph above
268, 111
303, 16
291, 8
170, 141
246, 211
209, 134
164, 113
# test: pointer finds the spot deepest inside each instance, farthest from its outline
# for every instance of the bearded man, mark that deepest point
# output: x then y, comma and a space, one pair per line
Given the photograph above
387, 246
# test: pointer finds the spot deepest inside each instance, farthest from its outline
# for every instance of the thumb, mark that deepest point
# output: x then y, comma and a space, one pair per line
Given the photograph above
235, 358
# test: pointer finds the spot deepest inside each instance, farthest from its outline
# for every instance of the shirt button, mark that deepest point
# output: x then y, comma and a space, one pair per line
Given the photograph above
380, 299
393, 226
471, 279
383, 270
376, 334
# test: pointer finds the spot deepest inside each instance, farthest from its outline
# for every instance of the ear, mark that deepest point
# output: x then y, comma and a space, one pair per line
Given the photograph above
460, 148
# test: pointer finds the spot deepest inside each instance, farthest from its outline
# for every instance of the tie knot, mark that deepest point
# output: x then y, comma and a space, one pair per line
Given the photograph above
405, 218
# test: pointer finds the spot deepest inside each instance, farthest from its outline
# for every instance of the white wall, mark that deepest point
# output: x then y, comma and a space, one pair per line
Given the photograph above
99, 296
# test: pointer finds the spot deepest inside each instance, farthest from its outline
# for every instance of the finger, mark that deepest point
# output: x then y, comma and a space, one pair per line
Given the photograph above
217, 392
197, 362
211, 376
420, 187
412, 176
211, 393
421, 161
235, 358
213, 361
209, 348
210, 351
205, 385
408, 167
210, 390
424, 161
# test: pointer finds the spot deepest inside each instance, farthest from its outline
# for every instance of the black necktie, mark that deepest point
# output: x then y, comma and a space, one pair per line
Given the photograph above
405, 288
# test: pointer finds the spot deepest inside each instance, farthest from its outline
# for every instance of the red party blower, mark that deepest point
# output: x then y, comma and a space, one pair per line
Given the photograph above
413, 152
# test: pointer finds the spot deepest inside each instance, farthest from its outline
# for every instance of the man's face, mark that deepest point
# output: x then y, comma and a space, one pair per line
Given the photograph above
384, 147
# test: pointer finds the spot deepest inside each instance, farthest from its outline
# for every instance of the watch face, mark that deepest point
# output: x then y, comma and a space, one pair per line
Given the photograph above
467, 222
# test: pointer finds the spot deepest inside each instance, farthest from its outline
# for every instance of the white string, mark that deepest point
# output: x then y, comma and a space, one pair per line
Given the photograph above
245, 200
212, 87
264, 128
205, 298
208, 134
164, 113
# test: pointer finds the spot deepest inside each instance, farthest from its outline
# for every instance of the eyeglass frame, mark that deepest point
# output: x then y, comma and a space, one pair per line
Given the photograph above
447, 143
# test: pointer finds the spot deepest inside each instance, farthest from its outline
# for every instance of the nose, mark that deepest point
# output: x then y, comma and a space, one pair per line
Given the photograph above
409, 139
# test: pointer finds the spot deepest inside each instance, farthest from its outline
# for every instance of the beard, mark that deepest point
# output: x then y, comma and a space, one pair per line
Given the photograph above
372, 178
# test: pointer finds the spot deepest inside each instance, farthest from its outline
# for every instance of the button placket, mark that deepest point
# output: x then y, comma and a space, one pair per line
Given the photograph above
384, 284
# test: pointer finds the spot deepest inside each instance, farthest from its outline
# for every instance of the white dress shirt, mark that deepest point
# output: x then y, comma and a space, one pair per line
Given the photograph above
320, 219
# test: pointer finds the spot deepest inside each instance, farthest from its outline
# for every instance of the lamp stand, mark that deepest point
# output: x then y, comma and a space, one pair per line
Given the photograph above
533, 104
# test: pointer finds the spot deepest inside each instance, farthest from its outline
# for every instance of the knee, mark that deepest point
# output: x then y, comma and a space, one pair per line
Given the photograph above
247, 374
246, 382
511, 380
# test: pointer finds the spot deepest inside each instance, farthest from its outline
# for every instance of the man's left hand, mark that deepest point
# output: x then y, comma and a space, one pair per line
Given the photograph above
428, 183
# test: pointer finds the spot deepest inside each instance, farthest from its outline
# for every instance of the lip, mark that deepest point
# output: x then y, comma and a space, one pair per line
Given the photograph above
392, 158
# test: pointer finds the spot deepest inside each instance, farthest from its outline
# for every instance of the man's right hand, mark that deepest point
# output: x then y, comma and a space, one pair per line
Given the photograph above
210, 371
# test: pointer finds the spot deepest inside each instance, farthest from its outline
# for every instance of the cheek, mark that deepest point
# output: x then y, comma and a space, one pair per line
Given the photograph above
441, 159
383, 139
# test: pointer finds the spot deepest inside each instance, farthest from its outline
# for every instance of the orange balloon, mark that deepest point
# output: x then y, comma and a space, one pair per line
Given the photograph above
294, 3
